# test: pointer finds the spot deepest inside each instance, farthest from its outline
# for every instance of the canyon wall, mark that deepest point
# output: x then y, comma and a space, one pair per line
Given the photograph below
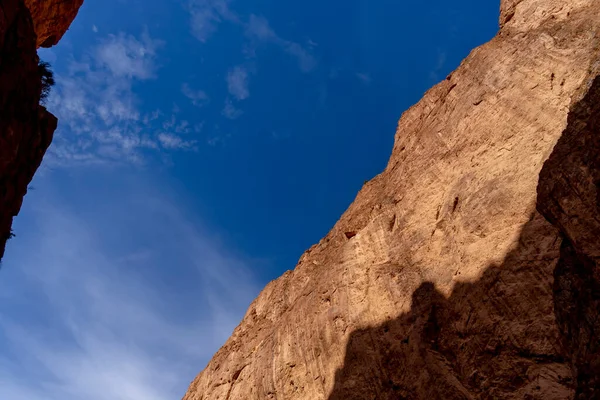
51, 19
26, 128
468, 269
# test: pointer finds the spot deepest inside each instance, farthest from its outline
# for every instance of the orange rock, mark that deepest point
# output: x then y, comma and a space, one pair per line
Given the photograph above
52, 18
448, 289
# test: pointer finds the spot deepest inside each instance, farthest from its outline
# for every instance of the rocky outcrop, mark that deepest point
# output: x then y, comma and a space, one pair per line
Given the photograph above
468, 268
507, 11
52, 18
26, 128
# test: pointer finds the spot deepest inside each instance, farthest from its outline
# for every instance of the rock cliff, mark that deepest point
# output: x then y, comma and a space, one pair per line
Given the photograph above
52, 18
26, 128
468, 269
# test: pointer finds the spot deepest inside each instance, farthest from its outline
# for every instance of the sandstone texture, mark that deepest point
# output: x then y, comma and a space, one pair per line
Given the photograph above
52, 18
468, 269
26, 128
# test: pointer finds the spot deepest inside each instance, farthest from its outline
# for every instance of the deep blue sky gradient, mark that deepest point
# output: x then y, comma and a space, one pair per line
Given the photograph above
198, 226
294, 161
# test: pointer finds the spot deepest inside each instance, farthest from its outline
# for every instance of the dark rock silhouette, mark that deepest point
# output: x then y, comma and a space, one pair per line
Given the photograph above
26, 127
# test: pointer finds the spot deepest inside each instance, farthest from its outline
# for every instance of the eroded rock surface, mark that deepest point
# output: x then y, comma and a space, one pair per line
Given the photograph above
26, 128
443, 280
52, 18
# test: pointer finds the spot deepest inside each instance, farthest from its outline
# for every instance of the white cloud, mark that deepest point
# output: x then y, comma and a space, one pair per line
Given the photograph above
237, 82
183, 127
97, 313
306, 61
206, 15
199, 98
230, 111
125, 56
258, 29
94, 29
171, 142
204, 23
100, 115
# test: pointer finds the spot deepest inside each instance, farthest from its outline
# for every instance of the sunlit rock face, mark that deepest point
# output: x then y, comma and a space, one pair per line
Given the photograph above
26, 128
453, 275
52, 18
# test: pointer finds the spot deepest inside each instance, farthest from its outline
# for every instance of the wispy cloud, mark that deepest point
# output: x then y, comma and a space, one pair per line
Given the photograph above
306, 61
434, 75
364, 78
199, 98
230, 111
206, 15
100, 115
258, 28
205, 18
237, 82
171, 142
125, 56
97, 313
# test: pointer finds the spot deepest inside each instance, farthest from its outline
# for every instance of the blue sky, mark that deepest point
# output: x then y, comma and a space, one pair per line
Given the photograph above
203, 145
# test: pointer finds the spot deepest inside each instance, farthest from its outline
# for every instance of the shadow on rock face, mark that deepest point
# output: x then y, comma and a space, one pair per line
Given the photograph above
527, 329
494, 338
569, 197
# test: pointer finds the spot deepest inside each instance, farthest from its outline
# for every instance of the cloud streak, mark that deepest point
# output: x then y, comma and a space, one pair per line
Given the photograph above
205, 18
207, 15
82, 317
258, 29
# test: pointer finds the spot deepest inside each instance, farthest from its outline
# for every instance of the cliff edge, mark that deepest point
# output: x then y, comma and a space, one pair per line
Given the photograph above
468, 268
26, 128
